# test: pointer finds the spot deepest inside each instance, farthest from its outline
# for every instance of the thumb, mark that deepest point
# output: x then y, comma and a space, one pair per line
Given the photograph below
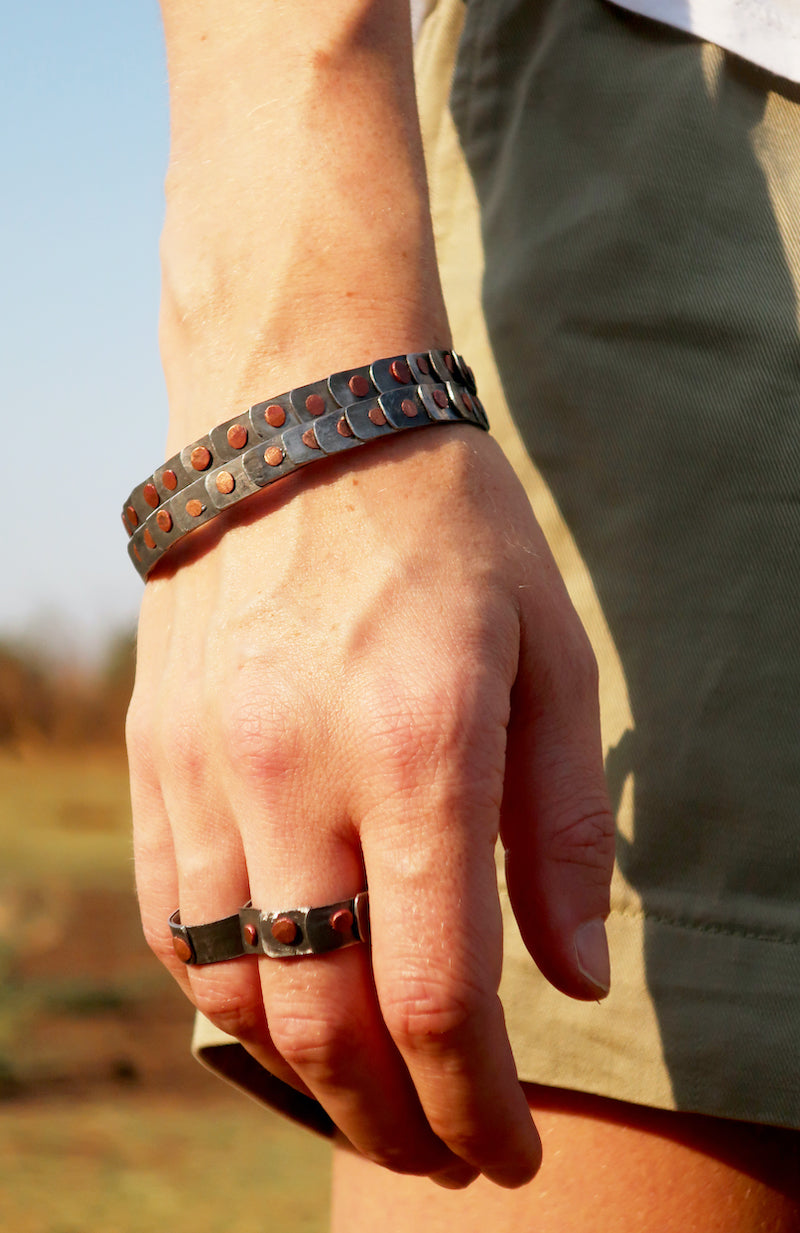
556, 824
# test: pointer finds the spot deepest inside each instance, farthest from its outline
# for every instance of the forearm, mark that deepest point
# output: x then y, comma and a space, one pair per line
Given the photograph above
297, 237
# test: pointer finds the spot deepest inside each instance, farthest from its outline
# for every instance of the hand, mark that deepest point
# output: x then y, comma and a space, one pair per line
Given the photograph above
371, 672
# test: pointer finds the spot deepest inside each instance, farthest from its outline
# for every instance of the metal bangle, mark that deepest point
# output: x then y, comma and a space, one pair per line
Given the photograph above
280, 935
278, 436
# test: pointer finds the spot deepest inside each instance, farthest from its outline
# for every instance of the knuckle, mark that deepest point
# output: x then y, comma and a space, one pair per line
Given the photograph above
139, 735
182, 743
160, 943
260, 732
413, 730
314, 1044
432, 1014
579, 665
233, 1008
585, 837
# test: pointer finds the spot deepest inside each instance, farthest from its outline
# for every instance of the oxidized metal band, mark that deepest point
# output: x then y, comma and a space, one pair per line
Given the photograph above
281, 935
275, 437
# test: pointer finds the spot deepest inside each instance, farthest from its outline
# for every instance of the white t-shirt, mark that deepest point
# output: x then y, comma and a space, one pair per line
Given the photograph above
766, 32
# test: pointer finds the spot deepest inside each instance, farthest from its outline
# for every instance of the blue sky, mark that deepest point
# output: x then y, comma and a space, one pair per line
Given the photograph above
83, 101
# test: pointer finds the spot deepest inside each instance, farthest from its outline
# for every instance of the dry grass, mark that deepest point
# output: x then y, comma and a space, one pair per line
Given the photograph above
139, 1164
106, 1124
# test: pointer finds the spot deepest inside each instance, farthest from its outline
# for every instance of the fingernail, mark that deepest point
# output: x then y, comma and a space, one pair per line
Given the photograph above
591, 952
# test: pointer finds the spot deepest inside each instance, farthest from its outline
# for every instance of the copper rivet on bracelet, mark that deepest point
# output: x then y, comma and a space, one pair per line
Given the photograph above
275, 415
422, 364
450, 363
400, 371
170, 480
237, 436
182, 949
136, 553
358, 385
225, 482
201, 458
376, 416
125, 523
409, 408
194, 508
343, 428
250, 934
342, 921
148, 539
310, 440
315, 404
133, 517
164, 520
273, 456
440, 398
284, 930
150, 494
468, 403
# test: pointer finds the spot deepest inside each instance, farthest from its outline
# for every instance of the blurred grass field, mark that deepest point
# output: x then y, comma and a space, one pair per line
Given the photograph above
106, 1123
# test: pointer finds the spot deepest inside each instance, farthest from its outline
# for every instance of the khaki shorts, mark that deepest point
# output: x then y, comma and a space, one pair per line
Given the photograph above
616, 212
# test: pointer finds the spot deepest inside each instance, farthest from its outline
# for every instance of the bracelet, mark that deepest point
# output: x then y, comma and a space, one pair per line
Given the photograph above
280, 435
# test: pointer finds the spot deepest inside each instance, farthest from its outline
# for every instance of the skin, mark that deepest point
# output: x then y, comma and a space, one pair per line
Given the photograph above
289, 739
366, 673
608, 1167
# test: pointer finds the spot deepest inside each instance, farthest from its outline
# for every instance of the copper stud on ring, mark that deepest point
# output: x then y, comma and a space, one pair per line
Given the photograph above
182, 949
250, 934
150, 494
194, 508
342, 921
133, 517
125, 523
343, 428
400, 371
148, 539
440, 398
468, 403
225, 482
315, 404
200, 458
422, 364
275, 415
376, 416
310, 439
170, 480
449, 362
358, 385
164, 520
408, 408
285, 931
273, 456
237, 436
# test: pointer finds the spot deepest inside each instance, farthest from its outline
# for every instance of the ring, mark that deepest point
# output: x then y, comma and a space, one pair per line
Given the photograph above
280, 935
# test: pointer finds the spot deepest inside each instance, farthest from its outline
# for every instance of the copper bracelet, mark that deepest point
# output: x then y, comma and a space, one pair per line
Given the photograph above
280, 435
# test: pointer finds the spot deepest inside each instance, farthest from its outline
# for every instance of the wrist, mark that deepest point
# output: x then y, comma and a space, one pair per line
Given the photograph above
288, 431
240, 354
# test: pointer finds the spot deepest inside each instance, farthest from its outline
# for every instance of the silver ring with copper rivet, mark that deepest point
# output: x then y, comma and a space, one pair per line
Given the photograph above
285, 934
